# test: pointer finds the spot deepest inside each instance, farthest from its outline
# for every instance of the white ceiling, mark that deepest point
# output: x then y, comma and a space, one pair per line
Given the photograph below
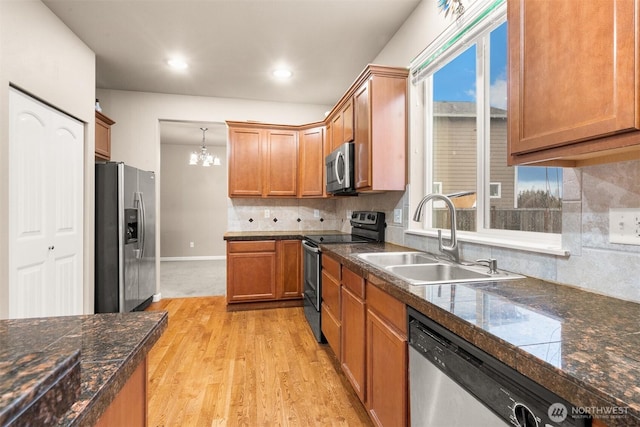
232, 46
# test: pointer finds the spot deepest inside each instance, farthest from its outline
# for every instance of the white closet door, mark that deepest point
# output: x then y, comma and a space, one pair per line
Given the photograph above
45, 210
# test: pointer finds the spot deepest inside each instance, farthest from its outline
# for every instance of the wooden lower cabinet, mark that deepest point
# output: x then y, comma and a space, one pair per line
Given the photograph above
289, 269
129, 407
251, 271
370, 338
264, 270
387, 359
331, 304
353, 338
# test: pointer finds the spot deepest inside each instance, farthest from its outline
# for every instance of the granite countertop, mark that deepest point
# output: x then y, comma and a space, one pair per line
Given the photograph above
66, 370
276, 235
583, 346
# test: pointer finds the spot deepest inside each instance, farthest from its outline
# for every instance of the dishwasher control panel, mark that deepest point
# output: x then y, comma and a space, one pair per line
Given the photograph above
514, 398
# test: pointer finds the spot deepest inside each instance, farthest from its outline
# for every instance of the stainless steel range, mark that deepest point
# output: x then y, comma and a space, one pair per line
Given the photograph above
366, 227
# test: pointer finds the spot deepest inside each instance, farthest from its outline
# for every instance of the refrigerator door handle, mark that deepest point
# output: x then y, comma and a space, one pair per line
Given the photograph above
141, 226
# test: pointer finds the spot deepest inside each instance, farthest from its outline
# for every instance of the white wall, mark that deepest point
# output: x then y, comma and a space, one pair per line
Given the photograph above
40, 55
193, 202
135, 137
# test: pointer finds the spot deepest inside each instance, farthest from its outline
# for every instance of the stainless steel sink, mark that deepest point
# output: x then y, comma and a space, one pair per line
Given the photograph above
419, 268
384, 259
437, 273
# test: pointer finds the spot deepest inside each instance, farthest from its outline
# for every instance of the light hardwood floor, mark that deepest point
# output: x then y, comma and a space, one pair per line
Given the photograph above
244, 368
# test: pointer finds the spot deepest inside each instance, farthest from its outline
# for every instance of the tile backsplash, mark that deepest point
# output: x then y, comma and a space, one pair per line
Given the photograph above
588, 194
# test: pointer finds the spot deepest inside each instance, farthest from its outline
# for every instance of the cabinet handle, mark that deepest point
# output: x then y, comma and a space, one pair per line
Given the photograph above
51, 247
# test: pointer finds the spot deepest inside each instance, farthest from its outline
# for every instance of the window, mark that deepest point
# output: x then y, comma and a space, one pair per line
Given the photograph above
462, 76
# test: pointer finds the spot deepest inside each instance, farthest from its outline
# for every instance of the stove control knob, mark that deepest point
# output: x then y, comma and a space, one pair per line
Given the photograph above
370, 216
524, 416
354, 215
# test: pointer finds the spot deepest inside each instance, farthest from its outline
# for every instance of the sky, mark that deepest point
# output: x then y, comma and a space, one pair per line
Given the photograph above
457, 82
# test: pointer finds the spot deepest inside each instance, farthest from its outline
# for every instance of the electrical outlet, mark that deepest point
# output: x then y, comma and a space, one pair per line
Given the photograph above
397, 216
191, 244
267, 214
624, 226
316, 213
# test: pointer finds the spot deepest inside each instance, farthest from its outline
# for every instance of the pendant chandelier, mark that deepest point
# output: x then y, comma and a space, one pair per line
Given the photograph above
203, 157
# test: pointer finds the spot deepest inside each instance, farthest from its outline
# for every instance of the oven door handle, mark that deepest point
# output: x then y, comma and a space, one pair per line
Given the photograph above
310, 248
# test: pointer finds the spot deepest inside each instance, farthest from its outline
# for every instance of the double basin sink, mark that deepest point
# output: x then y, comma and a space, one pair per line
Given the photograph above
419, 268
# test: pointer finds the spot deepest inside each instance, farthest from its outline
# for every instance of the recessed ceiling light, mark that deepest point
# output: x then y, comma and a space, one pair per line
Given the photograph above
282, 73
178, 64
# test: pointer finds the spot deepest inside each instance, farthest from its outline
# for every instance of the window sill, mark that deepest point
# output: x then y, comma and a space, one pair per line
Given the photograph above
498, 241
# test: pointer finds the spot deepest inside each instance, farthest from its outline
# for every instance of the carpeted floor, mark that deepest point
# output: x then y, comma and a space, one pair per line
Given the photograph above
193, 278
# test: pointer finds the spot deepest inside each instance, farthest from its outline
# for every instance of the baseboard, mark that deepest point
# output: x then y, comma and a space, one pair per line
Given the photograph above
194, 258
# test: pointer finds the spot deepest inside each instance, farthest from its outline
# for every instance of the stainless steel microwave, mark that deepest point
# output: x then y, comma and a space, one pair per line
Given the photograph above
340, 172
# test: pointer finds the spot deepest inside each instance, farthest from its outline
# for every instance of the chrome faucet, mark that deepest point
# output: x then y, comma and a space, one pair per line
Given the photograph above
452, 249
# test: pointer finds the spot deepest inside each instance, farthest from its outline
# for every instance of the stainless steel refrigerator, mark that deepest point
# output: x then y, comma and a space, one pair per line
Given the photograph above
125, 245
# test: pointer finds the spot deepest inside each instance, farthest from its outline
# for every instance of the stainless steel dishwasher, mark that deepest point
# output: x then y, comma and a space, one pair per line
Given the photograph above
453, 383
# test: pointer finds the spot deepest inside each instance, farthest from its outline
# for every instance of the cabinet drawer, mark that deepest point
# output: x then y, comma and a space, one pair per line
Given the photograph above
387, 307
330, 293
252, 246
331, 266
353, 282
331, 330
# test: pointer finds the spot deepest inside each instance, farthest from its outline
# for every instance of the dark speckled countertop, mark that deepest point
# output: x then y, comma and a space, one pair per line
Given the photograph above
66, 370
583, 346
276, 235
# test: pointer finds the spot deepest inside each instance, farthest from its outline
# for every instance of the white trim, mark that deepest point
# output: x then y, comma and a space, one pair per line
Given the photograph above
548, 246
194, 258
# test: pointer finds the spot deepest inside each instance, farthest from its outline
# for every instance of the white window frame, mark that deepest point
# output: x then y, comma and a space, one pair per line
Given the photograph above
498, 185
474, 26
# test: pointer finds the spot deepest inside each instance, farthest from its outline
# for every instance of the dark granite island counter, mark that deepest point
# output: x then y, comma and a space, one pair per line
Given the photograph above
68, 370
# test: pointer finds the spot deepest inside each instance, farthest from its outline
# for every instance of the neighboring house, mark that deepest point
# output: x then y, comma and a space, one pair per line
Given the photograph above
455, 152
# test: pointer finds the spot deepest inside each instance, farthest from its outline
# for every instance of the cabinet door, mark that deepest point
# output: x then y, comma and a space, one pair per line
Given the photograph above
337, 132
281, 160
289, 276
245, 162
103, 136
353, 341
347, 121
386, 373
312, 169
330, 319
565, 88
251, 276
362, 137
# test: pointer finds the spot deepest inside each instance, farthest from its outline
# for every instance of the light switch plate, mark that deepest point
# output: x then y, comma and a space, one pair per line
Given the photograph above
397, 216
624, 226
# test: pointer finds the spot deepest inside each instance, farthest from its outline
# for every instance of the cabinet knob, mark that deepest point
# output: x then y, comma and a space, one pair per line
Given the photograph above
51, 247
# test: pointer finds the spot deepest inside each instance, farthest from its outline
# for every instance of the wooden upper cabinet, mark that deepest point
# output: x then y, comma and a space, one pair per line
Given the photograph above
380, 130
311, 170
263, 161
342, 124
281, 163
245, 162
573, 82
103, 136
